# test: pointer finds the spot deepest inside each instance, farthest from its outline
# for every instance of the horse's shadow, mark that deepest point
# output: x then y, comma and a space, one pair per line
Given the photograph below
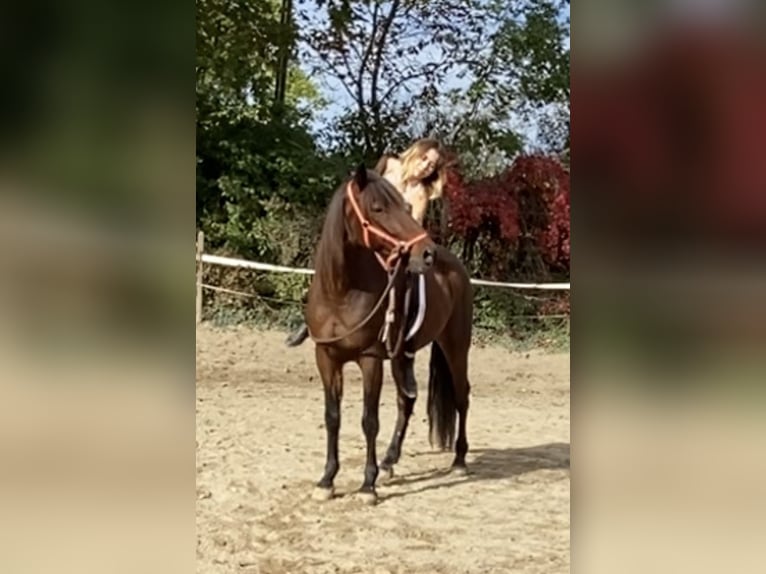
488, 464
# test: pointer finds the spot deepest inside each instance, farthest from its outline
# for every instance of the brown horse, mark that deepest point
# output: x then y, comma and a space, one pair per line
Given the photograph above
367, 238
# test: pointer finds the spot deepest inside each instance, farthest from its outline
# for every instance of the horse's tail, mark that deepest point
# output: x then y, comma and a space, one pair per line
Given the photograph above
298, 336
441, 400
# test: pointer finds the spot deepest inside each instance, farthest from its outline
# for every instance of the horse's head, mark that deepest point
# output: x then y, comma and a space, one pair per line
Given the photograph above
384, 222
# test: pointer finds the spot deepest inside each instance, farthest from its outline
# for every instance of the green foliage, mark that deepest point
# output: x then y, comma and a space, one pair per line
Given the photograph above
465, 71
455, 69
251, 153
533, 44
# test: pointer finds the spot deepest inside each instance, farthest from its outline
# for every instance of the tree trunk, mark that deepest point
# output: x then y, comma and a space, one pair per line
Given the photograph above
283, 59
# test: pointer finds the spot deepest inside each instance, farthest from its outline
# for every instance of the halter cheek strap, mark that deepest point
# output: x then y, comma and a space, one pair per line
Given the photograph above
399, 246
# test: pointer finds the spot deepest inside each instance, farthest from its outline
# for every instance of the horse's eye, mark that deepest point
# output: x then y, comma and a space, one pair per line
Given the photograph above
377, 208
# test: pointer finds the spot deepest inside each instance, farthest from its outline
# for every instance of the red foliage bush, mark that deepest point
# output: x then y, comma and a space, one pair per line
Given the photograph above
521, 213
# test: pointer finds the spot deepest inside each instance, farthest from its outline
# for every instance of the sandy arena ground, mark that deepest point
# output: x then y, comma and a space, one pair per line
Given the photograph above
261, 447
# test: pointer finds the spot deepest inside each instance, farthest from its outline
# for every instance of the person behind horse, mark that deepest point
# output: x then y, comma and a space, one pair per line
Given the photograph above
418, 174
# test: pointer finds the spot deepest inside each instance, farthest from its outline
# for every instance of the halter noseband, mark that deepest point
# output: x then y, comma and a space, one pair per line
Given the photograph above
400, 247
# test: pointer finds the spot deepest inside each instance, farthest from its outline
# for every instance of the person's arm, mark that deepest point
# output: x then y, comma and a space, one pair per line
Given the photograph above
422, 201
419, 211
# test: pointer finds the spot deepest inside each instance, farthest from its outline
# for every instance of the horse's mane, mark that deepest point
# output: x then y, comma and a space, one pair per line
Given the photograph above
338, 229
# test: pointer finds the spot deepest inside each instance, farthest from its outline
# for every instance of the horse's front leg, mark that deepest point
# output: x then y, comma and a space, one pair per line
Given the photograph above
332, 379
372, 375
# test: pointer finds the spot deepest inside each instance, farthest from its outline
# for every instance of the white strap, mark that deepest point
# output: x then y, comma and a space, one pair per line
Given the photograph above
421, 308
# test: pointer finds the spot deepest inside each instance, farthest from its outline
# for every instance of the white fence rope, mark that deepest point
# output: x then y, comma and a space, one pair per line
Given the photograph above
231, 262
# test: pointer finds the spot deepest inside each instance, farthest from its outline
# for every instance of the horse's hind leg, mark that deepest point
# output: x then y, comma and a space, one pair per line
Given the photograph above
457, 358
461, 444
372, 376
332, 379
405, 405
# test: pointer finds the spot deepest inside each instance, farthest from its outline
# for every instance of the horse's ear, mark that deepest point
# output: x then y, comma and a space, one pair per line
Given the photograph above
360, 176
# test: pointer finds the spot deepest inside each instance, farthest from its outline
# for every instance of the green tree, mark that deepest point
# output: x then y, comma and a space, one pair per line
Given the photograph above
388, 58
457, 69
252, 148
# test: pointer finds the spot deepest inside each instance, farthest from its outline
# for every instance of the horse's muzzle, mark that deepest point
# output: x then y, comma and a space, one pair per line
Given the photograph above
422, 259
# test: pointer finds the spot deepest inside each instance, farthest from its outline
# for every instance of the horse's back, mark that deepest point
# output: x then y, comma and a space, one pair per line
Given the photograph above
462, 288
452, 269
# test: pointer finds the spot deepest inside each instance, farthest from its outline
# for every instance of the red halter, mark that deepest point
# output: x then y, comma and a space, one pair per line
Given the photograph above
400, 246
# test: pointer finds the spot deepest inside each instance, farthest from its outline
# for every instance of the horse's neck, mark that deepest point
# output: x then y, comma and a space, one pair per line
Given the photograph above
360, 272
362, 269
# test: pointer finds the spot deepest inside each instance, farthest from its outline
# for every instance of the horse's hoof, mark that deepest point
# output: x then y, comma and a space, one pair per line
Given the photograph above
368, 497
321, 494
460, 470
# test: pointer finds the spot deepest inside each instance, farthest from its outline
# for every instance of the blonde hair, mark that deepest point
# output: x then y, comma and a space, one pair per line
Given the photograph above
434, 183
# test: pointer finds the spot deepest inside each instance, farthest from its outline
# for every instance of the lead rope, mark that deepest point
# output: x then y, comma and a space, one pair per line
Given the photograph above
390, 317
389, 288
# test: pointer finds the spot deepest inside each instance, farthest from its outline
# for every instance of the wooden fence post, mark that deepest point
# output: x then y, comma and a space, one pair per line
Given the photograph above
200, 251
